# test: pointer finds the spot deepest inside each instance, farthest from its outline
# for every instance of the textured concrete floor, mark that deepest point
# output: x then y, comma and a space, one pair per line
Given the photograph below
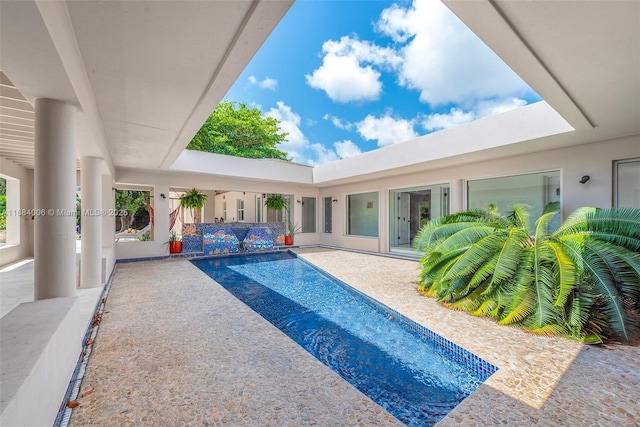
174, 348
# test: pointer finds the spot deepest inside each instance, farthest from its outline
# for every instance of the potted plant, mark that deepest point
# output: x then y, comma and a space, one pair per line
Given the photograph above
288, 238
278, 202
193, 200
175, 243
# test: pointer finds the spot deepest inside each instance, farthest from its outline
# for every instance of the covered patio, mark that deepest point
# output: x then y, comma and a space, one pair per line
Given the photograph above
175, 348
100, 95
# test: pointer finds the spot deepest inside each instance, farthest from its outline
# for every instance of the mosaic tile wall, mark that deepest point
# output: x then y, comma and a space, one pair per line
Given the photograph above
227, 238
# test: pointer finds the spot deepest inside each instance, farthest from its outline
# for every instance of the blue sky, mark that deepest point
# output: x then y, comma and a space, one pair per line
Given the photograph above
349, 76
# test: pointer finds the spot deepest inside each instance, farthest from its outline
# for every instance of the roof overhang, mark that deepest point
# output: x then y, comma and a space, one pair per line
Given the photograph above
144, 75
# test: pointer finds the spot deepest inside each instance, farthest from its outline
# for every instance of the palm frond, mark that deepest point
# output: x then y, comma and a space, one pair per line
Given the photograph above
509, 257
548, 329
566, 272
600, 272
477, 254
622, 221
464, 238
519, 307
487, 306
519, 217
543, 285
580, 310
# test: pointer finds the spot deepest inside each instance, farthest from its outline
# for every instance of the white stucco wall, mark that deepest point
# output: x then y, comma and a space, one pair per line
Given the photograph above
593, 159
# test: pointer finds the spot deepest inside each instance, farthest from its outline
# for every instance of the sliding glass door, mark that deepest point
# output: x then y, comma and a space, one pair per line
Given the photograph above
410, 209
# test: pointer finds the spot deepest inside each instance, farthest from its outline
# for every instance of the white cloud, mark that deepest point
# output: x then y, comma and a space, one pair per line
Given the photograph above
267, 83
492, 107
343, 149
346, 149
347, 73
443, 59
296, 142
338, 122
363, 51
344, 80
386, 130
457, 116
323, 155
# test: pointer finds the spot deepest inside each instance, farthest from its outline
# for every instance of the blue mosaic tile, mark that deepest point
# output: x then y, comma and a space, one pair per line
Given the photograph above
259, 239
220, 240
194, 242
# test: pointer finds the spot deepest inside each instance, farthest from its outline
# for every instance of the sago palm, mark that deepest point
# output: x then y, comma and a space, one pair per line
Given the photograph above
580, 281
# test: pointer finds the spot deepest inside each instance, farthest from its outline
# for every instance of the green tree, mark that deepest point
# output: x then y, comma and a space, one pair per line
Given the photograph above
581, 280
3, 212
236, 130
129, 202
3, 204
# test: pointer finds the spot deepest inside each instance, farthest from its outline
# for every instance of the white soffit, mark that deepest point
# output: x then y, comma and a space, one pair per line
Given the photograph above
237, 167
158, 68
582, 57
17, 134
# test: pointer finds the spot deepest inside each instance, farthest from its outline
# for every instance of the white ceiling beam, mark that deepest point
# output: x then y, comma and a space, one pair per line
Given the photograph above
56, 18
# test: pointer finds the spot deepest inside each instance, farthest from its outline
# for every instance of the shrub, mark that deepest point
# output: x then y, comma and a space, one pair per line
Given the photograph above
581, 280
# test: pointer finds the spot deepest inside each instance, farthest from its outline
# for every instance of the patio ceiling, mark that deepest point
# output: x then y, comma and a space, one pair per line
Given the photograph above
582, 57
145, 75
16, 125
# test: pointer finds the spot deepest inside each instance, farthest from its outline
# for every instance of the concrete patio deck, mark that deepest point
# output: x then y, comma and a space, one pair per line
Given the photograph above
174, 348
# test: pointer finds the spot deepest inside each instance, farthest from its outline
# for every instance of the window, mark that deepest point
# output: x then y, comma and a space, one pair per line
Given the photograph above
627, 183
362, 214
224, 210
258, 209
327, 206
534, 190
240, 210
134, 219
410, 209
3, 210
280, 215
308, 215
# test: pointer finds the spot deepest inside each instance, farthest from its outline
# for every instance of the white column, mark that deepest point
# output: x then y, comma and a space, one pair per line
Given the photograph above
161, 212
456, 196
55, 198
91, 222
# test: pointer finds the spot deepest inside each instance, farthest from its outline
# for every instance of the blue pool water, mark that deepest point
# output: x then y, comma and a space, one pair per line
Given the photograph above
414, 374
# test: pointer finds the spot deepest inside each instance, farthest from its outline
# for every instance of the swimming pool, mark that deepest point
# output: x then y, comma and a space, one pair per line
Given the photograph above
413, 373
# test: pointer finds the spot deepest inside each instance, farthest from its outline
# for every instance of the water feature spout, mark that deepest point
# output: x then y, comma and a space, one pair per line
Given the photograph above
240, 233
